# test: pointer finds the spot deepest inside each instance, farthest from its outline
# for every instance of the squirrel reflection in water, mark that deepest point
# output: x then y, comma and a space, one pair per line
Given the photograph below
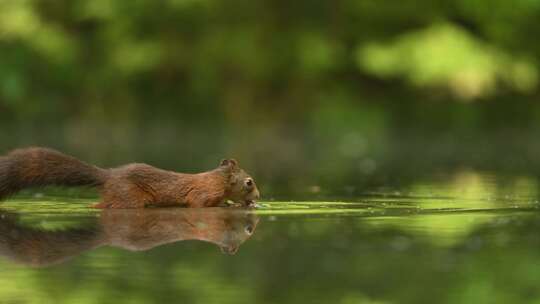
134, 230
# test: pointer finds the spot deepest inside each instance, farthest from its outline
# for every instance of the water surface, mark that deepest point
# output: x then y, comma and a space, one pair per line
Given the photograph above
465, 237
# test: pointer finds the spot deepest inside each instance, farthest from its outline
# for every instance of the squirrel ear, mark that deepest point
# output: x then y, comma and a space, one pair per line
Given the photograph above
229, 163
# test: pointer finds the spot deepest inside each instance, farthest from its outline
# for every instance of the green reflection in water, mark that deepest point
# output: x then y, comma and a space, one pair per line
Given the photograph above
466, 238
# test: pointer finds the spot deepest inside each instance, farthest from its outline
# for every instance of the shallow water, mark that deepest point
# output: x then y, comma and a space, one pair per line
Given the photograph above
467, 237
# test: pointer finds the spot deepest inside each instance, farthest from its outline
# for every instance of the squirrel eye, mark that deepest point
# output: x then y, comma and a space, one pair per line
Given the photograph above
249, 182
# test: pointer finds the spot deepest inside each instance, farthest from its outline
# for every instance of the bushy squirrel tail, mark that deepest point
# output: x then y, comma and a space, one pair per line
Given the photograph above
35, 167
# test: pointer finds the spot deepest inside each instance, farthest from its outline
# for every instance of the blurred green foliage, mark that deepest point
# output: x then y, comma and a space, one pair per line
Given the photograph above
339, 90
241, 61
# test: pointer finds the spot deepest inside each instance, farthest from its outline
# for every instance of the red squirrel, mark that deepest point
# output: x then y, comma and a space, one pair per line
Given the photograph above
129, 186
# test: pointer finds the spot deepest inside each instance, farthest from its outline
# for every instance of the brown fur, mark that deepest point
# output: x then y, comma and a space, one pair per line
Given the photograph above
34, 167
129, 186
135, 230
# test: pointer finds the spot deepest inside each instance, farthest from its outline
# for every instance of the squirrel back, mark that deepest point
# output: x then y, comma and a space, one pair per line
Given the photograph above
35, 167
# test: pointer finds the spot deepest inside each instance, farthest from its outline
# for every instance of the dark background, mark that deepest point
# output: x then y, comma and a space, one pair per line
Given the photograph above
314, 98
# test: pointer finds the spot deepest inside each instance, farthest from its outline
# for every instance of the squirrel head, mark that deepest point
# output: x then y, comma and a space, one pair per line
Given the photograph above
241, 187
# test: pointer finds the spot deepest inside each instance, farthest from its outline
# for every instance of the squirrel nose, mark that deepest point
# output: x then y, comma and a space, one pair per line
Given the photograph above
257, 194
